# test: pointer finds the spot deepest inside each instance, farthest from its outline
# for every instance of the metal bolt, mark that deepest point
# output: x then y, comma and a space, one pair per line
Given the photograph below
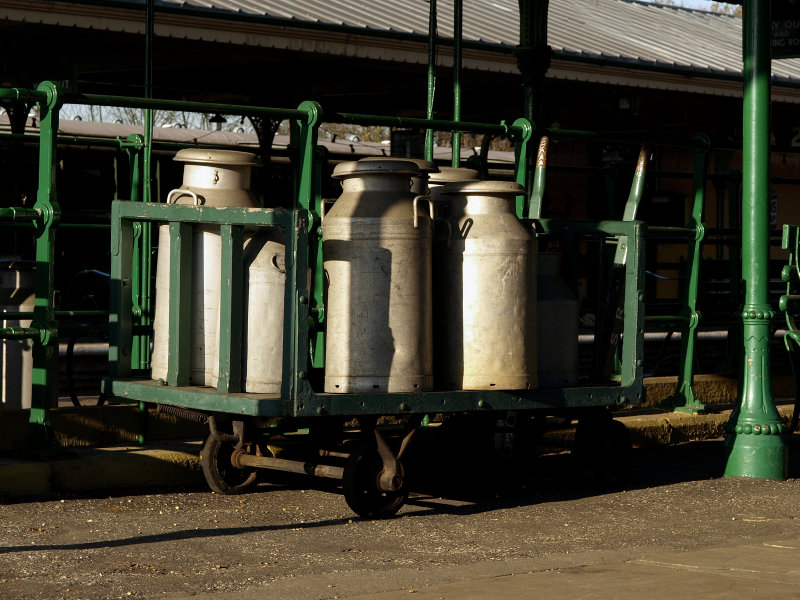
301, 374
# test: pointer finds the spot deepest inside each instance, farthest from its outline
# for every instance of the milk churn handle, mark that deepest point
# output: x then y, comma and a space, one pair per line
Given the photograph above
322, 203
275, 264
430, 208
182, 191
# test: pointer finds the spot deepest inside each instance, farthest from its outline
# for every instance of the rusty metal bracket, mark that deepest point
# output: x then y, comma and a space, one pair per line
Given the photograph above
226, 437
390, 478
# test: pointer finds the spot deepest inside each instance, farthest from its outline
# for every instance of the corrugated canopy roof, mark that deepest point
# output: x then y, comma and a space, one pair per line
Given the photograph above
623, 32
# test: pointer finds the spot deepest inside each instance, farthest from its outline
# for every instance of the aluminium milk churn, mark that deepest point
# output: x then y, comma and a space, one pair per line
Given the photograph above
377, 249
419, 184
558, 326
263, 300
218, 178
445, 175
486, 291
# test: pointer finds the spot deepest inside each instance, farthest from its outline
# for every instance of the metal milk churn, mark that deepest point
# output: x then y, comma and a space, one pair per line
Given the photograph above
377, 249
486, 294
445, 175
419, 184
218, 178
558, 326
263, 300
17, 294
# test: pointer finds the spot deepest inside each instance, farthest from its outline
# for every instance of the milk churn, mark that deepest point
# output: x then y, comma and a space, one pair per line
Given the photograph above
17, 287
419, 185
445, 175
558, 326
263, 300
486, 291
218, 178
377, 249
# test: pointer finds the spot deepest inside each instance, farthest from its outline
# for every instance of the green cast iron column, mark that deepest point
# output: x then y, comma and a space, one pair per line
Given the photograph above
40, 440
458, 17
432, 35
533, 55
754, 443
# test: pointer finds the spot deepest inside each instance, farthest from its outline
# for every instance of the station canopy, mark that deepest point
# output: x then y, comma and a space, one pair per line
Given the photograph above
282, 51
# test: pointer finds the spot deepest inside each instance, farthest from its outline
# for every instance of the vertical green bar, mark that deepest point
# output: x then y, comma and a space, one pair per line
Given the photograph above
146, 320
633, 326
521, 154
684, 389
539, 181
754, 443
136, 291
120, 304
308, 199
143, 261
231, 306
295, 386
40, 436
431, 77
457, 22
180, 302
315, 258
611, 313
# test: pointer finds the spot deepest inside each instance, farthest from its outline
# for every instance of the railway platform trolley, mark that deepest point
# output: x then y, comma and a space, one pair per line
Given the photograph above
360, 438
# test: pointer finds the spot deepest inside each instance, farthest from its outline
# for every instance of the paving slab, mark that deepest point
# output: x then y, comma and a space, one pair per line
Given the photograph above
766, 570
677, 528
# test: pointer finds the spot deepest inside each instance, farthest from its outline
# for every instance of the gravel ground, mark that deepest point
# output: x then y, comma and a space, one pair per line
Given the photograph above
287, 540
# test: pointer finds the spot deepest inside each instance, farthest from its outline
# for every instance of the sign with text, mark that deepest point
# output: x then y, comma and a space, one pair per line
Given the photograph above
785, 28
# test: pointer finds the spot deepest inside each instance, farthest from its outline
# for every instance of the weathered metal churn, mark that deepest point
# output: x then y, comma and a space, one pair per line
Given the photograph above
218, 178
262, 310
445, 175
486, 291
377, 249
427, 169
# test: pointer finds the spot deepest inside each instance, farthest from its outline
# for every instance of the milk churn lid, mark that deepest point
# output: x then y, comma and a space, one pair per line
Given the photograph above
483, 187
217, 157
425, 166
450, 174
353, 168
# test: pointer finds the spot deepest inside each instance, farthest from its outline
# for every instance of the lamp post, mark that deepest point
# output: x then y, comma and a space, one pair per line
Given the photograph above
755, 442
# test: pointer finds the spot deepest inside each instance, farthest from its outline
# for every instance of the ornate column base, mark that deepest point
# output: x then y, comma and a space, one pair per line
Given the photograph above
755, 444
757, 454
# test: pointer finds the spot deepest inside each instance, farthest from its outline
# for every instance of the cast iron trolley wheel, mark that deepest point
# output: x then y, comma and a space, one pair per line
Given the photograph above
361, 488
602, 450
221, 475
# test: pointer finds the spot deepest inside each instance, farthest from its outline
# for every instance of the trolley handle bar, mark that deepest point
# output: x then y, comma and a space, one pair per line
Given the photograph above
18, 213
22, 95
